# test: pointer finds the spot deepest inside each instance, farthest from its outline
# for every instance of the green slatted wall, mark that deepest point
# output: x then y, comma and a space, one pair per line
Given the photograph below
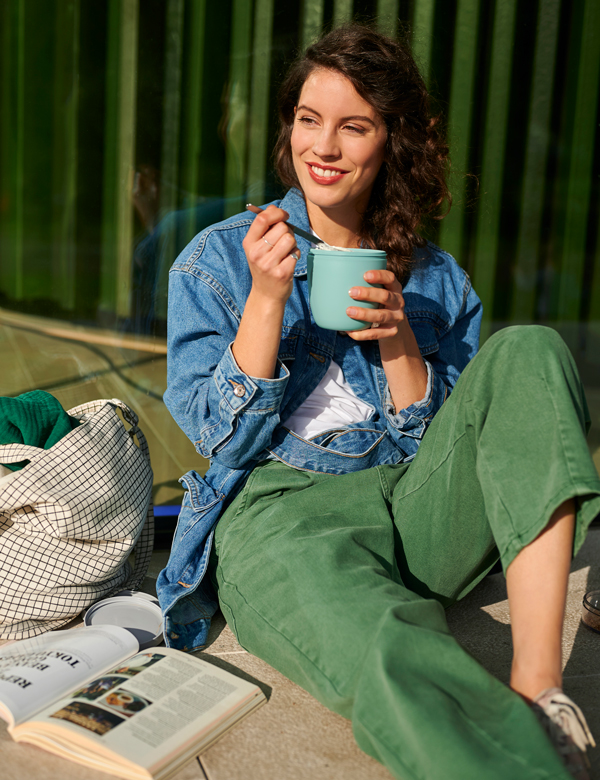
90, 92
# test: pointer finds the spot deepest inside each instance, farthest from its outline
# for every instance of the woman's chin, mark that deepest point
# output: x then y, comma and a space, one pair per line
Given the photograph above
327, 199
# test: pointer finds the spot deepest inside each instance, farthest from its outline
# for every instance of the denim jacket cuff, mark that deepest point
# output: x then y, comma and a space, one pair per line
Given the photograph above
413, 420
245, 393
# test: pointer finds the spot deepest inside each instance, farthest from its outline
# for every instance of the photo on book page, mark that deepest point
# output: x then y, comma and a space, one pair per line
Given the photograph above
140, 662
124, 702
98, 687
88, 717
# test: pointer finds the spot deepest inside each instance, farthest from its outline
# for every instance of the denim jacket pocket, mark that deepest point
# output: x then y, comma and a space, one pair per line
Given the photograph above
353, 449
201, 495
352, 443
287, 346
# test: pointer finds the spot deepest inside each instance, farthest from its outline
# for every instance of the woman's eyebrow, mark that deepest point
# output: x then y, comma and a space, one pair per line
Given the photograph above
343, 119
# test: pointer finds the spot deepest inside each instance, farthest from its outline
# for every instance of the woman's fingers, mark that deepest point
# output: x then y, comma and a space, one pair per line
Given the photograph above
377, 331
391, 304
372, 333
381, 277
271, 251
268, 231
275, 249
276, 233
265, 220
385, 319
380, 318
379, 295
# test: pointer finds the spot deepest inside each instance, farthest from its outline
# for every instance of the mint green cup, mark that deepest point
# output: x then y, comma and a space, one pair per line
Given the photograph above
331, 274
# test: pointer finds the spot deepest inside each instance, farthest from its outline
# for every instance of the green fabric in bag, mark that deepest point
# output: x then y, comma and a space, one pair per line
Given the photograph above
35, 418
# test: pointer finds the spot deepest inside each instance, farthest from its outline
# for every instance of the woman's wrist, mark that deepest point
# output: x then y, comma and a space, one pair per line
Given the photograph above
256, 344
266, 306
403, 343
405, 369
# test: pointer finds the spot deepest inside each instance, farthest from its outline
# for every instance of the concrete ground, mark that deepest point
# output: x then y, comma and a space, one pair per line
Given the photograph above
293, 737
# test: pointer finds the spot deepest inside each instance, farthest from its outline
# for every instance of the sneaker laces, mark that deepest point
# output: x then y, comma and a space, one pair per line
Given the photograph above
566, 726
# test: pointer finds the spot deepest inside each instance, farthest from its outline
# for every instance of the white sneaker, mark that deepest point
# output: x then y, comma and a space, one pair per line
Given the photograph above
566, 726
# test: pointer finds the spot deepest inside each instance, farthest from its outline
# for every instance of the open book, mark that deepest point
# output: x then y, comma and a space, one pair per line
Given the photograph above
89, 695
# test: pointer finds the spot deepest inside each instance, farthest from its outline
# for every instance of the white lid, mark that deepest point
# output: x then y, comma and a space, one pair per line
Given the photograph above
138, 594
138, 613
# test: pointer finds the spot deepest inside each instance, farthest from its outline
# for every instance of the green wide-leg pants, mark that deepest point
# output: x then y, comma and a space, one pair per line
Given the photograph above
340, 582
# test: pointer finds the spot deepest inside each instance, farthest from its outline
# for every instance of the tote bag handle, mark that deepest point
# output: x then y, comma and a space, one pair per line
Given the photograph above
85, 410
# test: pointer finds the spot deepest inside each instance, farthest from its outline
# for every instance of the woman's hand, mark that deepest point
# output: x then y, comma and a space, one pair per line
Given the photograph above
272, 254
389, 319
400, 357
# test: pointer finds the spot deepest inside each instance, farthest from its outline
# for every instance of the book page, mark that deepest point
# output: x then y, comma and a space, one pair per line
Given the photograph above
158, 705
35, 672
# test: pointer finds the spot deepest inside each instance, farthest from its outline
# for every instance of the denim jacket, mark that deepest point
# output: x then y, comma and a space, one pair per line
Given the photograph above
235, 420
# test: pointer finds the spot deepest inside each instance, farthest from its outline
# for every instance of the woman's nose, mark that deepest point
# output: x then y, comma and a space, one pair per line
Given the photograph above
326, 145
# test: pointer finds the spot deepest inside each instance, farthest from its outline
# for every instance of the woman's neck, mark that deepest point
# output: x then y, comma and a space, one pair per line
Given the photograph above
335, 229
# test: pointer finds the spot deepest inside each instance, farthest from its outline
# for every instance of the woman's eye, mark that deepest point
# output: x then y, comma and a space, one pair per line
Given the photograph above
306, 120
355, 129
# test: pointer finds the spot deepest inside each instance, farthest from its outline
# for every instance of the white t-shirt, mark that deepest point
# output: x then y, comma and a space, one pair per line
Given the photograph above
332, 404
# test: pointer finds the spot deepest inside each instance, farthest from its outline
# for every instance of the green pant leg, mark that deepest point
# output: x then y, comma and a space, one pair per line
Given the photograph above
308, 581
505, 450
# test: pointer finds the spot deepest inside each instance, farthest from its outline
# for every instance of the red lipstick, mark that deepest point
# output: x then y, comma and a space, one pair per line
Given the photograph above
332, 179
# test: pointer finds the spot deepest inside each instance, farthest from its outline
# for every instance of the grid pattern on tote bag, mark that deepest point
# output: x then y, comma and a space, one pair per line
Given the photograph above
70, 519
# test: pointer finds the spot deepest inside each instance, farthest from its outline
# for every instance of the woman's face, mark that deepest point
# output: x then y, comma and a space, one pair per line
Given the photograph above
338, 143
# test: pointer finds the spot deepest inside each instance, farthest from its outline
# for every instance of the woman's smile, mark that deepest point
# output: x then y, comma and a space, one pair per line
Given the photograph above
325, 175
338, 144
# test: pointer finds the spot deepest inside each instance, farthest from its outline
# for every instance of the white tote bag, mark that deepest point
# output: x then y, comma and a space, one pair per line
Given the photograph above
71, 517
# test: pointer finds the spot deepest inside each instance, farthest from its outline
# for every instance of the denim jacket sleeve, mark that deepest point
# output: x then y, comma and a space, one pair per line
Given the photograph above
228, 415
447, 343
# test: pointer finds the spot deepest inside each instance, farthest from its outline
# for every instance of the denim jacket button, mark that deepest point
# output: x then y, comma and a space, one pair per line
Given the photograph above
239, 390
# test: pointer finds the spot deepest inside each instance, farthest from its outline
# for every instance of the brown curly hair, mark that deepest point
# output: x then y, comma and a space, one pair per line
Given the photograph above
412, 180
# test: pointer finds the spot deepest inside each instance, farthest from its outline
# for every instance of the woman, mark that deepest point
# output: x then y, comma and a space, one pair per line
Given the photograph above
348, 516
